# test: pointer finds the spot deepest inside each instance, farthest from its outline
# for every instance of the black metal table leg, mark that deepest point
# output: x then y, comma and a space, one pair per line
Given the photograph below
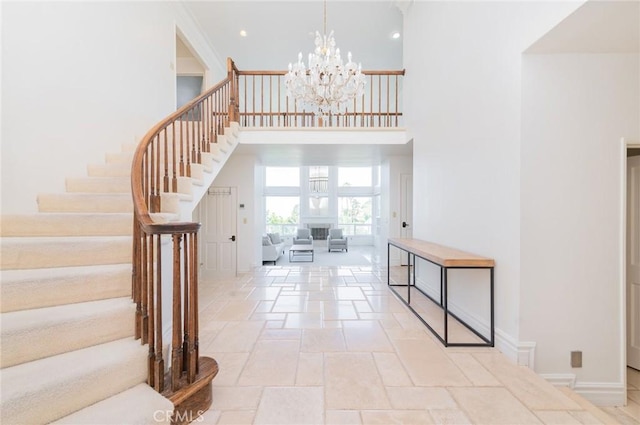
445, 309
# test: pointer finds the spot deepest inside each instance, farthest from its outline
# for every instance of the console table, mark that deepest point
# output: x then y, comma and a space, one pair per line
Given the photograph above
446, 258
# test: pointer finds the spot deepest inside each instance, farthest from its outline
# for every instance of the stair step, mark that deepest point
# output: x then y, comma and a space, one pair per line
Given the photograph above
119, 158
85, 202
130, 147
197, 173
51, 388
219, 148
37, 288
209, 158
231, 135
109, 170
140, 405
223, 144
43, 332
44, 252
99, 184
235, 128
67, 224
171, 201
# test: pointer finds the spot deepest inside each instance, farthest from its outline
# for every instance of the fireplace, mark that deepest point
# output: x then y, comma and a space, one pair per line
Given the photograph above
319, 231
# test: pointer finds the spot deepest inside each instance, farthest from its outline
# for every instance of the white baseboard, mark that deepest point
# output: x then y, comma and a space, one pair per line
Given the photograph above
560, 379
602, 394
523, 353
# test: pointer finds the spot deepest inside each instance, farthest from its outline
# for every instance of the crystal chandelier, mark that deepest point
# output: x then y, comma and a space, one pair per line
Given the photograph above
327, 85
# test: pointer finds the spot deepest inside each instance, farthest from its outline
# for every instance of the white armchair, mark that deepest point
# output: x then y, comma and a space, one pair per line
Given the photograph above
336, 240
303, 237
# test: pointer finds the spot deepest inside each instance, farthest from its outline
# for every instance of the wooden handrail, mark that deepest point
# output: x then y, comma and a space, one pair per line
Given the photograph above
263, 102
168, 153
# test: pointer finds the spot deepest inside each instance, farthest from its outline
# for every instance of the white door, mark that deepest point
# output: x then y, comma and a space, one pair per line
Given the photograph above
633, 262
218, 219
406, 210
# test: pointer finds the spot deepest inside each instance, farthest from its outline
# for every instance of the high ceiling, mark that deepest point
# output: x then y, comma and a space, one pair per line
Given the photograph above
278, 30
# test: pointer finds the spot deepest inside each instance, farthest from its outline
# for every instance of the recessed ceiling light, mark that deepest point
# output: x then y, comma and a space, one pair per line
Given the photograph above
243, 33
395, 35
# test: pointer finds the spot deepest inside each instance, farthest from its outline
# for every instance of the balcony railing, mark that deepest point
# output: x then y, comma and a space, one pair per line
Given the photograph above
263, 102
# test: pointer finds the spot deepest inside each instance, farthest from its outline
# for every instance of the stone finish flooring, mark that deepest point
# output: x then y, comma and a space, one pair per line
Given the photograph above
332, 345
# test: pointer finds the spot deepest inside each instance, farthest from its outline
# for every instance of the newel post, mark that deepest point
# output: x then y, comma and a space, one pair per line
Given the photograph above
233, 95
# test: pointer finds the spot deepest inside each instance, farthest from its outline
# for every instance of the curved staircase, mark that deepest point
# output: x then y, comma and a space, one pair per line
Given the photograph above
68, 352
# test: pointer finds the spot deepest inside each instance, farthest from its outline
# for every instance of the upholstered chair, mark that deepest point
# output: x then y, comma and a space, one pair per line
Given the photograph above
336, 240
303, 237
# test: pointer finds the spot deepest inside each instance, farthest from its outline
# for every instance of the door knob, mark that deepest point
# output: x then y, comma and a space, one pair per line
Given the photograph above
232, 238
404, 224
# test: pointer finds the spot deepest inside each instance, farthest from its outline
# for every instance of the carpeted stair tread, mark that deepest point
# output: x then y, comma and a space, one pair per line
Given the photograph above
36, 288
139, 405
85, 202
29, 335
109, 170
45, 252
119, 158
98, 184
51, 388
67, 224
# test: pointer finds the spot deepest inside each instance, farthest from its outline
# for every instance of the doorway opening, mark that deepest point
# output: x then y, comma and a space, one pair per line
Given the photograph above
631, 271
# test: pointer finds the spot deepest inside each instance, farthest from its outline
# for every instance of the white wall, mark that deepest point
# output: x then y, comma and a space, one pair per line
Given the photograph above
79, 79
239, 172
462, 97
576, 108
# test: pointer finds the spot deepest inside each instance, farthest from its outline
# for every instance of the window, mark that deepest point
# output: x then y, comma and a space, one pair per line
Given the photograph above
354, 215
282, 214
282, 176
354, 177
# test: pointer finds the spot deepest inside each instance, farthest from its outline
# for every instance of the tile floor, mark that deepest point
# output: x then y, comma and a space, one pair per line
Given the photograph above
309, 344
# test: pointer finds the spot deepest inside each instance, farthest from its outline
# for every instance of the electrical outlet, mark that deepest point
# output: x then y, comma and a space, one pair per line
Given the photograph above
576, 359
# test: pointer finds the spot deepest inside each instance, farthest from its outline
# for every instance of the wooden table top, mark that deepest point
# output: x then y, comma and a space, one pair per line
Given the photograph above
440, 254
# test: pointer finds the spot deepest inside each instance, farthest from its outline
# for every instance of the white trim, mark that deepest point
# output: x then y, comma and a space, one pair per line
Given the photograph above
560, 379
625, 145
602, 394
323, 136
526, 354
623, 264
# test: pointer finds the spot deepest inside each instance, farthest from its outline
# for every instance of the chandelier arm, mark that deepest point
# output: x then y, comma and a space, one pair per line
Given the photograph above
326, 85
324, 21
